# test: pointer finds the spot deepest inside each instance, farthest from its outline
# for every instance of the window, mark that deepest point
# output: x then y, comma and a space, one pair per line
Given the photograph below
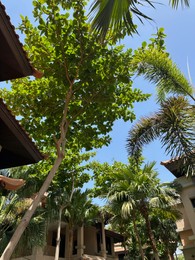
193, 202
98, 242
62, 243
108, 246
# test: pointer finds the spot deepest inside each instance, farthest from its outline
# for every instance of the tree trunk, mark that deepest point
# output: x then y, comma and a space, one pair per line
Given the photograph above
29, 213
70, 242
171, 257
150, 232
169, 254
58, 235
138, 238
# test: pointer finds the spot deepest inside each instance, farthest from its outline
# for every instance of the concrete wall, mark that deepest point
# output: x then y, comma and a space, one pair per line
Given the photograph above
90, 241
184, 223
188, 192
189, 254
186, 226
184, 235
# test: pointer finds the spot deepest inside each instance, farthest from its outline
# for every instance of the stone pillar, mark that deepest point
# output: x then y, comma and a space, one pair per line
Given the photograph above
37, 253
112, 246
80, 241
103, 242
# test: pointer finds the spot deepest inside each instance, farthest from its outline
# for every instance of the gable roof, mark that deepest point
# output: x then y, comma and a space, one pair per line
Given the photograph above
174, 166
13, 59
177, 165
17, 148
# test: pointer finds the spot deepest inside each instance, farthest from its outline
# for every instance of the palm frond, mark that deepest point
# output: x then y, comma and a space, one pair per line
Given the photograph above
178, 124
146, 130
175, 3
174, 125
114, 15
159, 69
117, 15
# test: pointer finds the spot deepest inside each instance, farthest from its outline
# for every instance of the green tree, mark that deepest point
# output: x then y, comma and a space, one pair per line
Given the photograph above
12, 211
173, 124
136, 191
6, 217
61, 192
153, 62
85, 88
122, 224
114, 15
77, 213
165, 232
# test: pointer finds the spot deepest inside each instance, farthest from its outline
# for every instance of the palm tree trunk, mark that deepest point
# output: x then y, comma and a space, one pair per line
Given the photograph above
29, 213
138, 238
144, 212
70, 242
171, 257
58, 235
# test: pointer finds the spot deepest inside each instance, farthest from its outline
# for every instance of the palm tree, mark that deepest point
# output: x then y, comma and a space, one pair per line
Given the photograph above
165, 230
122, 222
141, 192
153, 62
77, 213
174, 122
12, 209
57, 200
117, 15
7, 218
174, 125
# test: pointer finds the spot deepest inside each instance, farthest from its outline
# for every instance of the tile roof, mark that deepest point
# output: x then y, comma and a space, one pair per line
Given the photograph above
14, 62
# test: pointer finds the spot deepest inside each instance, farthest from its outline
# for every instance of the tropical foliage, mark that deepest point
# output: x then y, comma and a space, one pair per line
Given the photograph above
136, 196
12, 210
174, 122
109, 16
85, 88
153, 62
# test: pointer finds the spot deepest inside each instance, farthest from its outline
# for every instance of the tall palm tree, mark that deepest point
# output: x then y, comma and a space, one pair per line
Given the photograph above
57, 201
122, 221
174, 122
142, 192
165, 230
77, 213
12, 210
118, 14
174, 125
153, 62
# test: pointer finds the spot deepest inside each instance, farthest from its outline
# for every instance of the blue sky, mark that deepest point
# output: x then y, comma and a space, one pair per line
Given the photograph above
179, 26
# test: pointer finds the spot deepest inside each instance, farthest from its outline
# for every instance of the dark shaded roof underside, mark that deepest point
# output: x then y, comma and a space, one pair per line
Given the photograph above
17, 147
117, 237
13, 59
175, 166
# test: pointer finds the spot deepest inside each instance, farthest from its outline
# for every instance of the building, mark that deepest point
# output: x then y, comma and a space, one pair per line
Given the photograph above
16, 147
92, 242
185, 226
13, 59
